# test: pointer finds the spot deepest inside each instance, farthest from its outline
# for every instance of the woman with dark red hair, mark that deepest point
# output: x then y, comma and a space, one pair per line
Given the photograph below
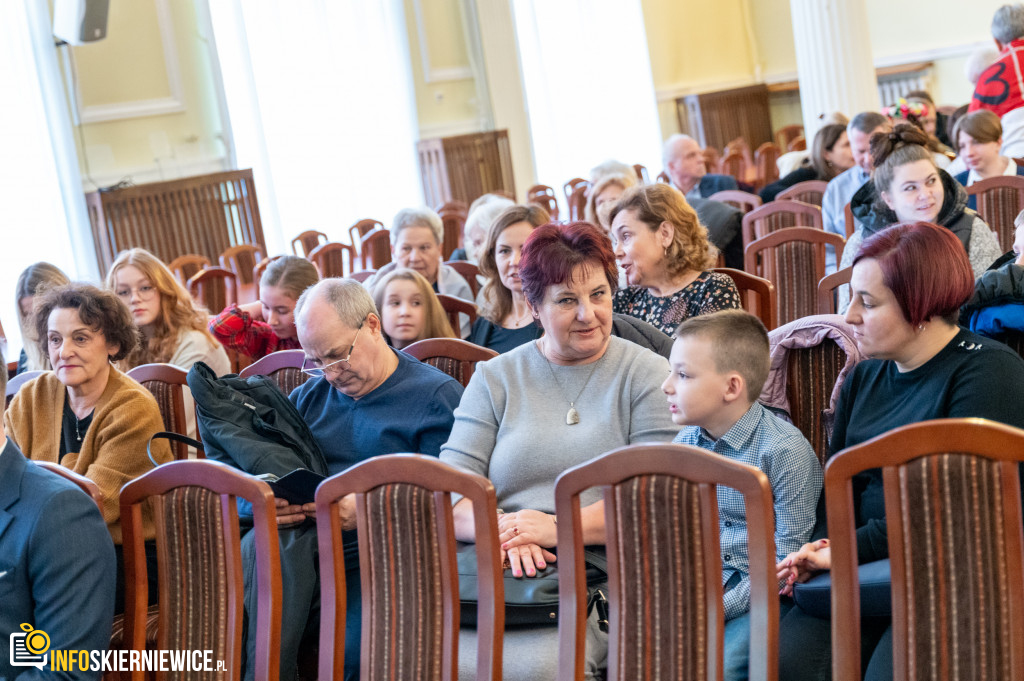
543, 407
908, 284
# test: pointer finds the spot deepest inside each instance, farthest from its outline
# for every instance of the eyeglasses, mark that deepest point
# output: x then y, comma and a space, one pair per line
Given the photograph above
145, 292
341, 364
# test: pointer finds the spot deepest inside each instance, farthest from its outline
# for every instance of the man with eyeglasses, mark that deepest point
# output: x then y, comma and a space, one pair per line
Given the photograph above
363, 399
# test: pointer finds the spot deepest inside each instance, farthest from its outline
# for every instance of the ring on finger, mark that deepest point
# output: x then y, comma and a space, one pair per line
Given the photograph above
515, 531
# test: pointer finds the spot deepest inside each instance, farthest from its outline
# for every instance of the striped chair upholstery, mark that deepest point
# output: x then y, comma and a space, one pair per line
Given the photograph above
999, 200
453, 356
200, 562
664, 564
1014, 339
779, 214
408, 569
284, 367
812, 374
952, 502
812, 192
166, 383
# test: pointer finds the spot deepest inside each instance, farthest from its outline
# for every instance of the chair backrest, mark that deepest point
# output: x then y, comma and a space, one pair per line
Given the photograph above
712, 159
333, 259
999, 201
363, 227
827, 289
453, 307
664, 563
953, 516
641, 173
83, 483
798, 143
185, 266
543, 196
811, 191
283, 367
362, 275
779, 214
200, 563
469, 272
578, 201
375, 249
758, 295
794, 260
14, 385
734, 164
766, 161
454, 356
745, 201
214, 287
166, 382
851, 222
407, 556
453, 216
241, 260
261, 267
811, 375
304, 243
787, 134
571, 185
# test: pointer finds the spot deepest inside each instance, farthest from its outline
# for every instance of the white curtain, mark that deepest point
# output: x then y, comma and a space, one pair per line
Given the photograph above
319, 95
44, 214
589, 90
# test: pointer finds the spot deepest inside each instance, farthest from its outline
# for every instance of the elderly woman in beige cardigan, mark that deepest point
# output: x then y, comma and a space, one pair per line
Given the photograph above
87, 415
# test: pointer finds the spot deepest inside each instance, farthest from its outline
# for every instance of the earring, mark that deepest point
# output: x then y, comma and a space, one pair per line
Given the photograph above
920, 327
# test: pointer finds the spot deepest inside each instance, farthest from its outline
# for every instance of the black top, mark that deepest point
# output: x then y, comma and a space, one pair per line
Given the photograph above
486, 333
972, 376
72, 430
802, 174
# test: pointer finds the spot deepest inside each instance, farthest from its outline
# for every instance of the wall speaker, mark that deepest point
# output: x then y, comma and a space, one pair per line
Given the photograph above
80, 21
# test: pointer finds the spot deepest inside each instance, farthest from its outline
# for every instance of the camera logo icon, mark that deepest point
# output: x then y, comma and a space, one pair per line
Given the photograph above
29, 648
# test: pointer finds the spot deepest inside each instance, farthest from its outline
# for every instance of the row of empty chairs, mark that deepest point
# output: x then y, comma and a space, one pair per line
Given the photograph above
679, 483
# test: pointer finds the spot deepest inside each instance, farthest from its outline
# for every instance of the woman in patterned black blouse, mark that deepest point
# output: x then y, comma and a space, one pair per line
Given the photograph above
664, 251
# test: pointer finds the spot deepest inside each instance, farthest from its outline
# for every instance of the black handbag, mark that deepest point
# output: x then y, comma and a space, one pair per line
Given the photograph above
815, 595
530, 600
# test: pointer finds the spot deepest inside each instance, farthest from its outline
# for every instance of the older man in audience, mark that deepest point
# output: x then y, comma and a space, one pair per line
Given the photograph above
57, 567
364, 399
843, 186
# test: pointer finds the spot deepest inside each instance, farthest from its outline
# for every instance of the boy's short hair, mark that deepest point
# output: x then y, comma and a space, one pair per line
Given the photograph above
739, 342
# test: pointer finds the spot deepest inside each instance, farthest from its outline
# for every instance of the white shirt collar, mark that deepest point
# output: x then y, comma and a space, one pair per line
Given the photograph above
1011, 170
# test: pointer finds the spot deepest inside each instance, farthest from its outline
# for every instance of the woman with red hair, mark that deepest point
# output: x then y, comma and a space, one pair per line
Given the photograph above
908, 284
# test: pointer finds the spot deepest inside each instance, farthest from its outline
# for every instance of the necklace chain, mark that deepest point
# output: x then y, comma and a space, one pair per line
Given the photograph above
572, 416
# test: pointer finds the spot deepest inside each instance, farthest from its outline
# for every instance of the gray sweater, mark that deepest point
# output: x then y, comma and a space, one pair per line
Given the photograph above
510, 425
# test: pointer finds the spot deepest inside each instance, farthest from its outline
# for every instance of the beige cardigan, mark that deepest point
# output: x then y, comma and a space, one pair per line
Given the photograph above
114, 448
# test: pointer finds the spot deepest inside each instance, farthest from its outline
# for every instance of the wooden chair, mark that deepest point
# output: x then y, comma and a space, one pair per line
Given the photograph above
827, 289
453, 217
214, 288
362, 275
785, 136
712, 159
543, 196
184, 267
261, 267
569, 187
303, 244
664, 563
363, 227
851, 222
641, 173
758, 295
798, 144
454, 356
14, 385
745, 201
167, 384
779, 214
734, 164
333, 259
953, 512
283, 367
407, 556
811, 191
999, 201
453, 307
766, 162
375, 249
469, 272
241, 260
578, 202
83, 483
811, 375
741, 145
200, 563
793, 259
665, 179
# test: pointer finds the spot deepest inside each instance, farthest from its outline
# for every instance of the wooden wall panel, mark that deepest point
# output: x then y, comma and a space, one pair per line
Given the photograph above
464, 167
716, 118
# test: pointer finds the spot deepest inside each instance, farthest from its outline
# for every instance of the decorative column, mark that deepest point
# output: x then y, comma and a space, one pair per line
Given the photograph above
833, 59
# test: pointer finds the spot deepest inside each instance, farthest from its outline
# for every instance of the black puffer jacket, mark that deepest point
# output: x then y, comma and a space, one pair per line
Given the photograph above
1001, 285
874, 216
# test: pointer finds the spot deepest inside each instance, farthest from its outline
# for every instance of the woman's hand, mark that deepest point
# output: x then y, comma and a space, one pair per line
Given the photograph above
528, 558
800, 565
254, 310
527, 527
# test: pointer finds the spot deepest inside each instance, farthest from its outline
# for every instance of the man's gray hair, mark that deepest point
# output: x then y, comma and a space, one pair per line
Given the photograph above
668, 149
417, 217
349, 299
1008, 23
867, 122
